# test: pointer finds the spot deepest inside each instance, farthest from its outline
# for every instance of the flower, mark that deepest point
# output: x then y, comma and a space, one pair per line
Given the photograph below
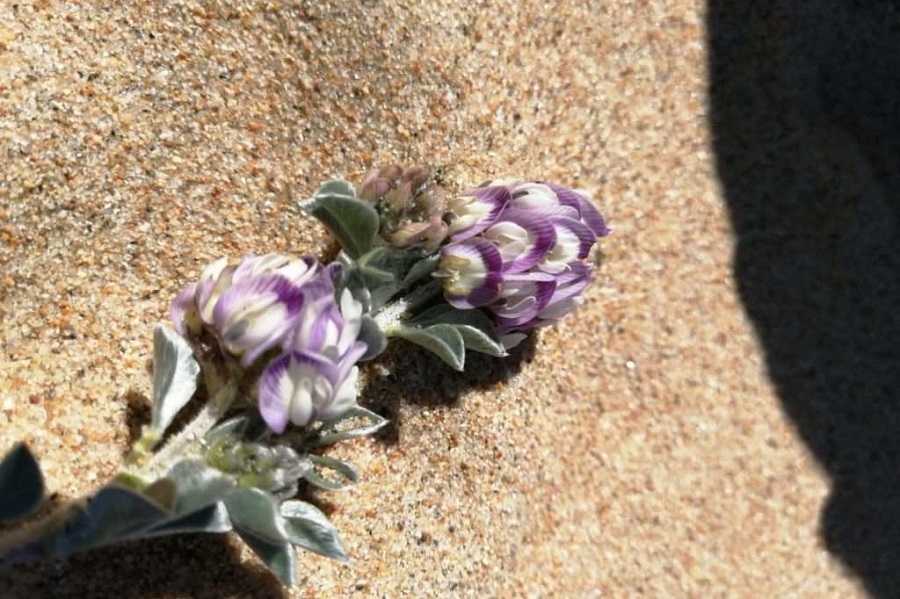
250, 306
520, 250
315, 378
274, 302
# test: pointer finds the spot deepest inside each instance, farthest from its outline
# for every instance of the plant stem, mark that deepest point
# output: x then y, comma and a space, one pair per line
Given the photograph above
391, 314
188, 441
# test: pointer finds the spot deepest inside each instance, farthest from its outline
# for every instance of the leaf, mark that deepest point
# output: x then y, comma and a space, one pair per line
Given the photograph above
162, 492
329, 434
197, 485
352, 221
345, 470
478, 340
374, 338
255, 511
336, 187
476, 328
308, 527
441, 339
21, 483
375, 278
174, 376
212, 518
278, 557
420, 269
113, 514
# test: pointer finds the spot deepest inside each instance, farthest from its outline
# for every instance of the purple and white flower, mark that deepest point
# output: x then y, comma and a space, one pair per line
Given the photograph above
315, 378
274, 302
520, 250
472, 272
250, 306
476, 211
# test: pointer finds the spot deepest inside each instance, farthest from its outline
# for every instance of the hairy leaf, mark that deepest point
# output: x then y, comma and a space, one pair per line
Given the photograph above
420, 269
309, 528
443, 340
332, 433
278, 557
198, 485
255, 511
476, 328
212, 518
174, 376
374, 338
352, 221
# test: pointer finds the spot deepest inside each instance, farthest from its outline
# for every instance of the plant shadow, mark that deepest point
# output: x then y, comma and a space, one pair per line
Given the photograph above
805, 115
191, 565
419, 378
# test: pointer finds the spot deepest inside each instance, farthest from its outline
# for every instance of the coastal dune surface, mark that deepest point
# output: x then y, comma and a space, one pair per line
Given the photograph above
640, 447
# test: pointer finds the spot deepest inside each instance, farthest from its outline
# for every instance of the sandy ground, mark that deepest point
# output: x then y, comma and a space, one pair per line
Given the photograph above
639, 448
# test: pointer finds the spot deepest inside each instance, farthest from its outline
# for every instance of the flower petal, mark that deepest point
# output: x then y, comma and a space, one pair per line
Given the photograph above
181, 309
523, 237
573, 243
276, 390
256, 314
522, 298
471, 272
588, 212
344, 397
476, 211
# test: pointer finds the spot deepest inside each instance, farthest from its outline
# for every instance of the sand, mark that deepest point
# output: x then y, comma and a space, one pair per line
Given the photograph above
638, 448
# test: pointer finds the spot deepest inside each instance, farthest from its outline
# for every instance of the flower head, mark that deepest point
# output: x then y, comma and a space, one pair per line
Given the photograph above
274, 302
520, 250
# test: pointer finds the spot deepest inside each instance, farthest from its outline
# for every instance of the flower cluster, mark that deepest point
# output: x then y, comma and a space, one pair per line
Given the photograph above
288, 305
519, 250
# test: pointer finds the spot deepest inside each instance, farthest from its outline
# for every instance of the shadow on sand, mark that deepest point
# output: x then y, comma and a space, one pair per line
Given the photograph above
805, 113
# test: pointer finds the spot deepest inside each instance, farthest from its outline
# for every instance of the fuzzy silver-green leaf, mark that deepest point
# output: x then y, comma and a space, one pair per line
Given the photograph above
331, 433
174, 376
443, 340
278, 557
352, 221
309, 528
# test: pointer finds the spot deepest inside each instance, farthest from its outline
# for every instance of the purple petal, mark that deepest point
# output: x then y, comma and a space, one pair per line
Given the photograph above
216, 278
588, 212
519, 254
300, 387
566, 297
350, 358
343, 396
573, 242
476, 215
320, 322
184, 302
275, 393
534, 195
256, 314
471, 271
523, 296
296, 270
